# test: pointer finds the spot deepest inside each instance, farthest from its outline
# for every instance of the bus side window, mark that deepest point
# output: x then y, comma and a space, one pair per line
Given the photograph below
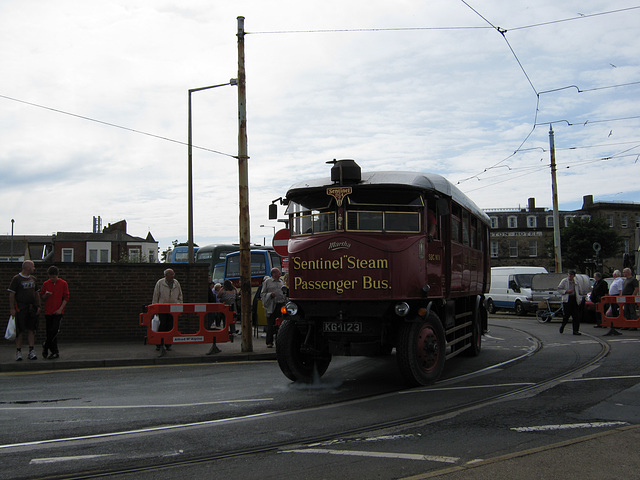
456, 224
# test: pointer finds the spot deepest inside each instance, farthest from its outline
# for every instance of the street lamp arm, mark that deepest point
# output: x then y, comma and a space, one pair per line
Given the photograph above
233, 81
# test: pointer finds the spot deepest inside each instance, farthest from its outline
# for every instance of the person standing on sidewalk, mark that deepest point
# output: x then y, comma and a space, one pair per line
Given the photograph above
167, 290
55, 293
273, 299
24, 305
629, 287
600, 289
572, 300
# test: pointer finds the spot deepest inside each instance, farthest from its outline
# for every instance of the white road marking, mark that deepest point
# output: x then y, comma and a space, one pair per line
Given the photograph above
619, 377
364, 439
360, 453
486, 335
124, 407
40, 461
134, 432
570, 426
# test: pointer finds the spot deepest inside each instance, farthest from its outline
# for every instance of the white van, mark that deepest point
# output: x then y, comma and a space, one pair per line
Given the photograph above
511, 289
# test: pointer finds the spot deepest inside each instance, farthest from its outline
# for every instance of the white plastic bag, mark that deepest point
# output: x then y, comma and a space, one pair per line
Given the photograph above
10, 333
155, 323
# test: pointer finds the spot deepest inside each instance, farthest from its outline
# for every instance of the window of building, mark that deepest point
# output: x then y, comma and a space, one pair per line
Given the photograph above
495, 249
637, 221
93, 256
568, 220
67, 254
494, 222
512, 221
152, 258
624, 221
626, 245
513, 248
586, 218
104, 256
533, 248
531, 221
610, 219
134, 254
549, 220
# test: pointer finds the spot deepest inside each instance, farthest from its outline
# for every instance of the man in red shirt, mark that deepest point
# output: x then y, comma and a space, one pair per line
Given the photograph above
55, 293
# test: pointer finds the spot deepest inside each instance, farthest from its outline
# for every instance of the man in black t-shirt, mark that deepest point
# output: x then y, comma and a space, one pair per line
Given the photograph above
24, 304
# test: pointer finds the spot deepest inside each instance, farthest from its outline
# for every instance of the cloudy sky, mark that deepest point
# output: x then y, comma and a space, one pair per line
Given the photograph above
93, 104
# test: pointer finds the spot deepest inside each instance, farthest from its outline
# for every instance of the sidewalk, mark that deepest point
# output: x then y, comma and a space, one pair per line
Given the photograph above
110, 354
609, 455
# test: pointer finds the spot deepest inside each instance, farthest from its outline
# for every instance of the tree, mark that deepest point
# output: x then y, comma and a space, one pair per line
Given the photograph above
578, 238
166, 254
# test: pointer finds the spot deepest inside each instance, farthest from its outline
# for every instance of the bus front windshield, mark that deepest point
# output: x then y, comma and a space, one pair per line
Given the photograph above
365, 210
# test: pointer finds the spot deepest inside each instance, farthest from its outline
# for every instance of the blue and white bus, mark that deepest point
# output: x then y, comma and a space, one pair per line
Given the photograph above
180, 254
216, 253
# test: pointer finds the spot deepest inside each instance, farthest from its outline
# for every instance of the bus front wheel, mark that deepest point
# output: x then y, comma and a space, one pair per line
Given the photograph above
297, 362
421, 350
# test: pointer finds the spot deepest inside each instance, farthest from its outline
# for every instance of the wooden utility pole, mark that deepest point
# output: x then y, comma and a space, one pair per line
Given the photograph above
243, 185
557, 251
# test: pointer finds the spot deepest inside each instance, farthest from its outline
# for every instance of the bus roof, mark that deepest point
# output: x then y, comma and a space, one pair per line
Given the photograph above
410, 180
213, 246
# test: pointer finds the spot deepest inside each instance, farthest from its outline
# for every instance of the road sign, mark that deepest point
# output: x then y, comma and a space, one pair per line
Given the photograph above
281, 242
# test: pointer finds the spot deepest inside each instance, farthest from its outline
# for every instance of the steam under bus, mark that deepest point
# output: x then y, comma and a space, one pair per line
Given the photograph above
383, 260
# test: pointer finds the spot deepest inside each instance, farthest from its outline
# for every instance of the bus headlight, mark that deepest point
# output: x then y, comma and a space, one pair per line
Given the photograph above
402, 309
291, 308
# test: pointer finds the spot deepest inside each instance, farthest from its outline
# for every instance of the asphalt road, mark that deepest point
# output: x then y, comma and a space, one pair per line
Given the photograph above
531, 387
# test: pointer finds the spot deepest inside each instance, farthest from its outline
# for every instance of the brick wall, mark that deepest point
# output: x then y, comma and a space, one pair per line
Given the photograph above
106, 299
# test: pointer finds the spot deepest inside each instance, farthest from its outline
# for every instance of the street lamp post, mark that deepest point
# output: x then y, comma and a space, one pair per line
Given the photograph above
264, 240
11, 258
233, 81
269, 226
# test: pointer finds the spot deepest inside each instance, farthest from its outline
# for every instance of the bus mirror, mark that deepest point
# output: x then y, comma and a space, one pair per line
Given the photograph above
443, 206
273, 211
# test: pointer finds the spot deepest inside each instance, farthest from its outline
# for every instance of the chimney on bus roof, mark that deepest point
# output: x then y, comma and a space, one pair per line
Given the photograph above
345, 171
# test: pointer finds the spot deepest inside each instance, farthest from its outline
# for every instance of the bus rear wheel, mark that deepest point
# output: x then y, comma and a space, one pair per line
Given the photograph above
421, 350
297, 364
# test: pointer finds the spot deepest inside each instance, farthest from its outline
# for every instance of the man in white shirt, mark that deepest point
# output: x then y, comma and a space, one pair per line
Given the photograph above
572, 296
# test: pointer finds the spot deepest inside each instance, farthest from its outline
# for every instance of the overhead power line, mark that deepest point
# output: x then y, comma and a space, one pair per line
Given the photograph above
503, 32
112, 125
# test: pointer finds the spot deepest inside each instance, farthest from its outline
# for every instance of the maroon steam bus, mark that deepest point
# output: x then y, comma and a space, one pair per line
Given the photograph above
379, 260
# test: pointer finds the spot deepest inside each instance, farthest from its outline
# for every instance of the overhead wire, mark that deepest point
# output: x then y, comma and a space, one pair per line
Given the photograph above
83, 117
500, 30
503, 32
